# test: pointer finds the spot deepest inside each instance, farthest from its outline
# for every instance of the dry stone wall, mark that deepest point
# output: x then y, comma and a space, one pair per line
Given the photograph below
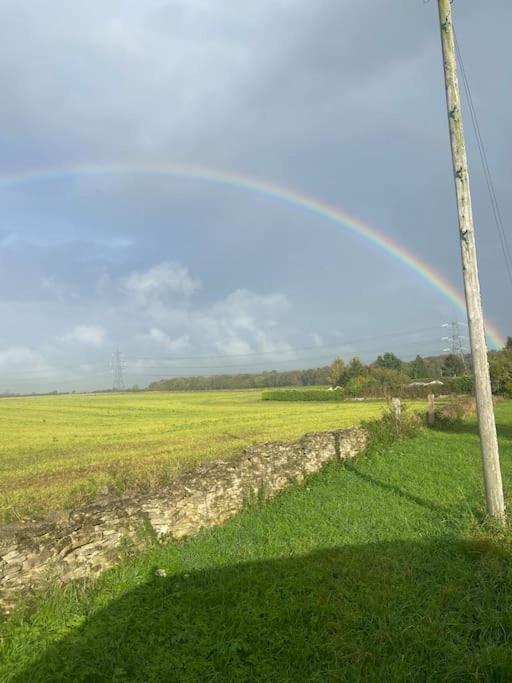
83, 542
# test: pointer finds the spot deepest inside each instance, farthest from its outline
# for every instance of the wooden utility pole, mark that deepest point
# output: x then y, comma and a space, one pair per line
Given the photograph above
485, 409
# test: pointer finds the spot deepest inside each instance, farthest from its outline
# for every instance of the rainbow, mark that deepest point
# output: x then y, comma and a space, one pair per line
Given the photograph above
263, 187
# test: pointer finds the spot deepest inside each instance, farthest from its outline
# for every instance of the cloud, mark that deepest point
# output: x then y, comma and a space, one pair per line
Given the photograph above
22, 358
22, 368
90, 335
244, 322
241, 322
161, 340
159, 282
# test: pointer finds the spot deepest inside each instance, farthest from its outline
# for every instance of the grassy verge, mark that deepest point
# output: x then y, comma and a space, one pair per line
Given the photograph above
379, 569
60, 451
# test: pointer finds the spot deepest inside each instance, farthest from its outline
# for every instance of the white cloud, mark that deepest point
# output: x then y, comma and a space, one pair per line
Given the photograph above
161, 339
167, 278
91, 335
244, 322
16, 358
23, 369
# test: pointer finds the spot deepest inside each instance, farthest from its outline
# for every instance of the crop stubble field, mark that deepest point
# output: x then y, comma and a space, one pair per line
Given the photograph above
59, 451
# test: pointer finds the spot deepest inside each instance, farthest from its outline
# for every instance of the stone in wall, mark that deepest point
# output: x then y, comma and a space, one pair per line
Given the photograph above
82, 543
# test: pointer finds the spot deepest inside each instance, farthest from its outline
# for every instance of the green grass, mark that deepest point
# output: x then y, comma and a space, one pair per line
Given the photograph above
379, 569
60, 451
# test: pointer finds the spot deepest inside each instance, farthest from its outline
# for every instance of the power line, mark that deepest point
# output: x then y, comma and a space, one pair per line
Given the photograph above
485, 164
119, 365
289, 350
241, 367
150, 370
315, 358
61, 368
36, 375
6, 383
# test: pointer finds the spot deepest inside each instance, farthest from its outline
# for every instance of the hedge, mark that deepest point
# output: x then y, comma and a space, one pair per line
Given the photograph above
303, 395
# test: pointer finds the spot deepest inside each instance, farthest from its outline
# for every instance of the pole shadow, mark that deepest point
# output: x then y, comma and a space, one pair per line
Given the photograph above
504, 430
397, 490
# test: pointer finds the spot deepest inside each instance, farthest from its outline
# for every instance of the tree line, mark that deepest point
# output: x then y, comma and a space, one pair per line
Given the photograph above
385, 374
260, 380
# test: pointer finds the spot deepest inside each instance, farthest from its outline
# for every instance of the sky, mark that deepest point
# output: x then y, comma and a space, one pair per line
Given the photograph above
338, 100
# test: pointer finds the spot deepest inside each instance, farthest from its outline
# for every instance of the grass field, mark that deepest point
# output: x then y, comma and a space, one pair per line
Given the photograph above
379, 569
61, 450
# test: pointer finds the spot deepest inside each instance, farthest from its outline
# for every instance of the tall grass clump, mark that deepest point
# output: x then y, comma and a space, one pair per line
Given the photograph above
389, 428
456, 411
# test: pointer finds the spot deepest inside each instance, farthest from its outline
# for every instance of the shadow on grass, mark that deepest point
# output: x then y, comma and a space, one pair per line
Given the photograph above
352, 467
396, 611
504, 430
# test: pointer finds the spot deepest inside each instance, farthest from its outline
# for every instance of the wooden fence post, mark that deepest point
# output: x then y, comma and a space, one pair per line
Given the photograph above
431, 410
396, 406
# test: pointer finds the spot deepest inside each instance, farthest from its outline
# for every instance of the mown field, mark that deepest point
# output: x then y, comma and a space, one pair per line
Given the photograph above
383, 568
60, 451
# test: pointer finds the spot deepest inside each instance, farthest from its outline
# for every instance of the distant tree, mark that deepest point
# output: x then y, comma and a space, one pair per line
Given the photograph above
315, 376
377, 382
508, 345
434, 366
271, 378
307, 377
356, 369
322, 376
389, 378
418, 368
464, 384
361, 385
500, 366
453, 366
338, 373
388, 361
